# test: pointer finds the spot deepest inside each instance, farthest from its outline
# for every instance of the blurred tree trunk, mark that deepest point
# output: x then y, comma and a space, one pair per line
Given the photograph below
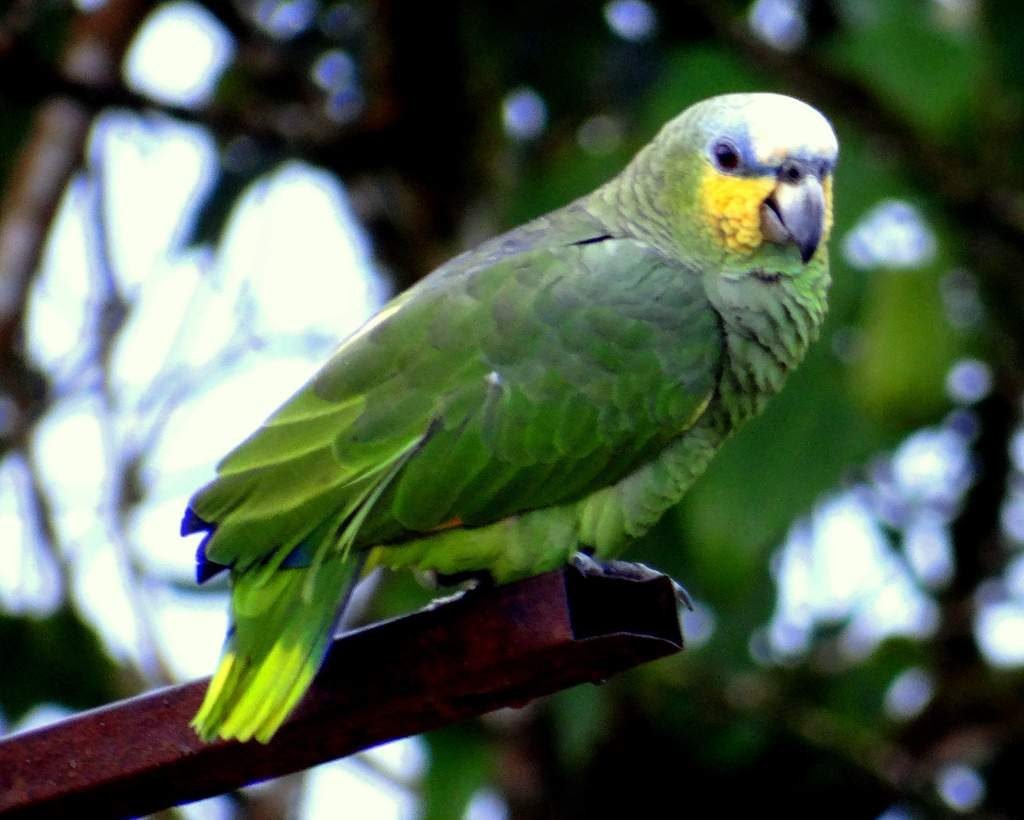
51, 151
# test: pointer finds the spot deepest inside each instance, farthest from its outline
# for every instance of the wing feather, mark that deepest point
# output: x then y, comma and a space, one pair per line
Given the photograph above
515, 383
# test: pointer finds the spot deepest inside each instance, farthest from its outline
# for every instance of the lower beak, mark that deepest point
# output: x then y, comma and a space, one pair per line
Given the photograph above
795, 212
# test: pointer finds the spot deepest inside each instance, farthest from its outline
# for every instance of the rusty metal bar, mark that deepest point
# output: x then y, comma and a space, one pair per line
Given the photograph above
488, 649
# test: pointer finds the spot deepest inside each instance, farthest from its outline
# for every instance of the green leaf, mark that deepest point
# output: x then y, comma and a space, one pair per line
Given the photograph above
929, 72
460, 763
908, 348
581, 716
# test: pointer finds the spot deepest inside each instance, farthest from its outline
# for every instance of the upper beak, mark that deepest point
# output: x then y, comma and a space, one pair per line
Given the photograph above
795, 212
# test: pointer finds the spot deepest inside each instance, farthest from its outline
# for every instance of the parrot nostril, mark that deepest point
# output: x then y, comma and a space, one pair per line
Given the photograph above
791, 171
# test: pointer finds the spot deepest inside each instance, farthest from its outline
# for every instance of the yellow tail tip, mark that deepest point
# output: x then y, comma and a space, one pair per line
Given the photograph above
245, 701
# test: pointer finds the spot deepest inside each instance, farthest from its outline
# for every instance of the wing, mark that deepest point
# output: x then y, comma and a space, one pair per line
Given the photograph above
518, 382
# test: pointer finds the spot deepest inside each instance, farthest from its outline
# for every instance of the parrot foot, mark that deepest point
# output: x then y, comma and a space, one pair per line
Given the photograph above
470, 583
588, 565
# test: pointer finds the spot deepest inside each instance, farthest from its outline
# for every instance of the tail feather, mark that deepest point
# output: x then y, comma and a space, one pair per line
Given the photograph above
284, 610
274, 648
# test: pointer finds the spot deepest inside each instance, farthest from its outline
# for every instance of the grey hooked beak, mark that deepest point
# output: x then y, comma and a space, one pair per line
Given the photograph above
795, 212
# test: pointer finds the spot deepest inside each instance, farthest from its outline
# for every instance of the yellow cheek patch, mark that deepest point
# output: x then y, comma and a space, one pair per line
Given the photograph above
731, 207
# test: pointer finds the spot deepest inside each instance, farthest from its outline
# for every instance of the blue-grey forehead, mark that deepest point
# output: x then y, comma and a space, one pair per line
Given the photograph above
756, 163
768, 129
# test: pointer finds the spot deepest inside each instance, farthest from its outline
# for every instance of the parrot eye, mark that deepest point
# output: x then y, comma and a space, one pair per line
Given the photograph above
726, 157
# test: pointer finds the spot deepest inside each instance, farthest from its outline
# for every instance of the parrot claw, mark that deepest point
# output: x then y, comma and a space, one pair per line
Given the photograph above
588, 565
682, 596
472, 580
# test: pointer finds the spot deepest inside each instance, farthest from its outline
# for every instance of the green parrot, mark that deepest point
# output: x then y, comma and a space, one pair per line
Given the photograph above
553, 391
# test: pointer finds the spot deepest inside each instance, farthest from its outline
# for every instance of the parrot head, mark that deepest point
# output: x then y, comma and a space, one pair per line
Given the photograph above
750, 180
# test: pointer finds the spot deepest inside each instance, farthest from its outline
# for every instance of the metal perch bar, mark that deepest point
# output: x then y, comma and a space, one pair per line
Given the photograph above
488, 649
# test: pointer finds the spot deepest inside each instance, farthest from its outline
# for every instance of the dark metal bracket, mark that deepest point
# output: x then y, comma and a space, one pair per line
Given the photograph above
488, 649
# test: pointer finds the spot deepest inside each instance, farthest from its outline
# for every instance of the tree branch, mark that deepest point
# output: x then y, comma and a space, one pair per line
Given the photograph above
51, 152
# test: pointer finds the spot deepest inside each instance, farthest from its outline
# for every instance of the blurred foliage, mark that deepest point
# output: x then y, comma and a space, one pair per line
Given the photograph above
932, 74
460, 764
928, 100
53, 659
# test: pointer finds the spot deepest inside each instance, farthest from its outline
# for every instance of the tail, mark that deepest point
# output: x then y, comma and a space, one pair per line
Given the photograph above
283, 623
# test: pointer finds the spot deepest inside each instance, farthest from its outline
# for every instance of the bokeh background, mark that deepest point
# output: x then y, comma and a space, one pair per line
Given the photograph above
198, 200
